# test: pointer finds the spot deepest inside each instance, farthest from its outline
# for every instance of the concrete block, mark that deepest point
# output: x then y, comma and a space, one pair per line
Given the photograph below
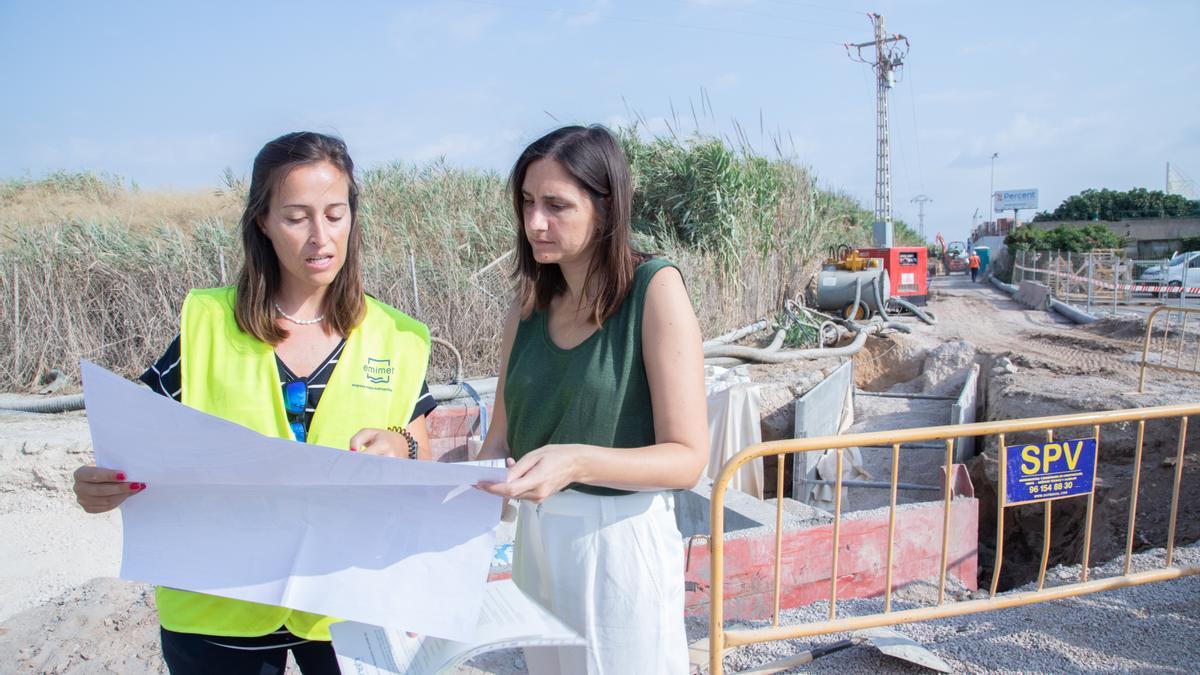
450, 424
1033, 295
807, 559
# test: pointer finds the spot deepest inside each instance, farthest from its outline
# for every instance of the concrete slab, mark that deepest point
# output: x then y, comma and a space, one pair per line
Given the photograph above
1033, 295
819, 413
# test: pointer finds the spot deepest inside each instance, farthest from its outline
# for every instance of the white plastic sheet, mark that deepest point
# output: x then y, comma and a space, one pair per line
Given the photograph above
733, 425
230, 512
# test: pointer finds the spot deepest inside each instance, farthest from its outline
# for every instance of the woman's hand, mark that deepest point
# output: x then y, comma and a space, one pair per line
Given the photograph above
98, 490
379, 442
540, 474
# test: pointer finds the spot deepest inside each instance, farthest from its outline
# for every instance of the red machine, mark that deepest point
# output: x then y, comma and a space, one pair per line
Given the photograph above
906, 269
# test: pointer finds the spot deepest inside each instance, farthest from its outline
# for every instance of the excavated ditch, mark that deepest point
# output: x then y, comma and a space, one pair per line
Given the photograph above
1015, 385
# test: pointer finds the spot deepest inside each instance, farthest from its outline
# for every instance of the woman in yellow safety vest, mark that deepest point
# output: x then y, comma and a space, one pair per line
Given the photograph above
297, 350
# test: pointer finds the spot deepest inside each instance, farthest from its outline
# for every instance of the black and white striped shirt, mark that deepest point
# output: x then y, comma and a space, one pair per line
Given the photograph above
164, 378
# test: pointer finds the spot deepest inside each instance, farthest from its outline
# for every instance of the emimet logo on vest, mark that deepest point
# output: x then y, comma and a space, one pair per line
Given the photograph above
379, 371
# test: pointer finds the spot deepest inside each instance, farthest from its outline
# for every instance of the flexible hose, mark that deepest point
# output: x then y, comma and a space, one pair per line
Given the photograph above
857, 298
921, 314
454, 389
735, 335
875, 284
46, 405
761, 355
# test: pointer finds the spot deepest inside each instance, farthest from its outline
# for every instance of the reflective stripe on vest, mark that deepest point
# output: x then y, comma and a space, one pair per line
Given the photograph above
231, 374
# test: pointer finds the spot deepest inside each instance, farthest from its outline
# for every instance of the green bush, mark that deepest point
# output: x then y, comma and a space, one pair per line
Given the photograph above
1064, 238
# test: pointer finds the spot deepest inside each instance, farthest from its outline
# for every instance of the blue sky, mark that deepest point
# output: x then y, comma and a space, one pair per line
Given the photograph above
1071, 95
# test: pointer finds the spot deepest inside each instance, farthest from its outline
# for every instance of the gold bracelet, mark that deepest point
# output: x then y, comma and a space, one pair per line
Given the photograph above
412, 442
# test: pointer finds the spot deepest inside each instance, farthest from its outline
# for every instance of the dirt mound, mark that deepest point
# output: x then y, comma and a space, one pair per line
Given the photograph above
1120, 328
944, 369
887, 360
103, 626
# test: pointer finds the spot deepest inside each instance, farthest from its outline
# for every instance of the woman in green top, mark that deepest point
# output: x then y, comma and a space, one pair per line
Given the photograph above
600, 408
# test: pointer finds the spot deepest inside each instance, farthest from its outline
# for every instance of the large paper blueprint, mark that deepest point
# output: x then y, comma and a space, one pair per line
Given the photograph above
228, 511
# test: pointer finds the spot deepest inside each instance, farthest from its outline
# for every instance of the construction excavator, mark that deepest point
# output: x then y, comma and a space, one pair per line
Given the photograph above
954, 255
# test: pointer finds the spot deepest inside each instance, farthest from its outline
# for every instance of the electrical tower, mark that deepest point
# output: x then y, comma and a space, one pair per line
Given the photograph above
1179, 184
920, 200
890, 51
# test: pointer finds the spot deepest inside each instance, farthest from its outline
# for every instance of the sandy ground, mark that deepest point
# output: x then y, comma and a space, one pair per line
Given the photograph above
61, 610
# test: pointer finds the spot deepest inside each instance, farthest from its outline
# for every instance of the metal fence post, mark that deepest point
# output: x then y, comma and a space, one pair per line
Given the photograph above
1070, 285
1184, 283
1056, 290
1090, 260
1116, 279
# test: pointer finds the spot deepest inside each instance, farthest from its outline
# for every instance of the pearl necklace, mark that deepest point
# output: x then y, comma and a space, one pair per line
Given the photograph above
298, 322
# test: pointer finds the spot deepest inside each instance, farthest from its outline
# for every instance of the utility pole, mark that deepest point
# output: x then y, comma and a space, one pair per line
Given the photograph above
920, 200
890, 51
992, 188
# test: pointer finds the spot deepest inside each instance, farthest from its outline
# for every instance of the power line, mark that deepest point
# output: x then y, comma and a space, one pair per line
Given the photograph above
651, 22
912, 97
816, 6
766, 15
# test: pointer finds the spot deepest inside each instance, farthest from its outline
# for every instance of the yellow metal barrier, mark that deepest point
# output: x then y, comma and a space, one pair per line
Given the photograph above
720, 639
1183, 347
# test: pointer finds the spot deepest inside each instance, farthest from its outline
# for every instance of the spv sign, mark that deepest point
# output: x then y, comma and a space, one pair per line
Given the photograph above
1049, 470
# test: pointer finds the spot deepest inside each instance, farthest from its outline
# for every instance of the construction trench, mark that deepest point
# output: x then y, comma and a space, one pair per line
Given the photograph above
61, 611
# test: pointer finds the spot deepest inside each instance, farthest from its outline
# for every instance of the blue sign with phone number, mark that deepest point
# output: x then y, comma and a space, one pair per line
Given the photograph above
1049, 470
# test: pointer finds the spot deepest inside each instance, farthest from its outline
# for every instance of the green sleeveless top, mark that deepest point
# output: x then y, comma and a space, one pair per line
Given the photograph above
595, 393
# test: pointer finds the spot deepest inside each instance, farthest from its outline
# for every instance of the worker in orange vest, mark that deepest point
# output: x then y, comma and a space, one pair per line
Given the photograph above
973, 264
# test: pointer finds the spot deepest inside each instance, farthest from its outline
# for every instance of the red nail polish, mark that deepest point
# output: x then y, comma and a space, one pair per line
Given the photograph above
133, 487
120, 475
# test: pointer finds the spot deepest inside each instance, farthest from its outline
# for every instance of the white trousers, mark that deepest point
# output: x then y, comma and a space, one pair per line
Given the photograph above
612, 569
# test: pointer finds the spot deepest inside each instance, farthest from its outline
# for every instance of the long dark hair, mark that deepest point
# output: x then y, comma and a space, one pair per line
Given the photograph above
593, 157
258, 281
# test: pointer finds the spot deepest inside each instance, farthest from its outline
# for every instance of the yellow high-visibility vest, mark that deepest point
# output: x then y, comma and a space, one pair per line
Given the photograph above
231, 374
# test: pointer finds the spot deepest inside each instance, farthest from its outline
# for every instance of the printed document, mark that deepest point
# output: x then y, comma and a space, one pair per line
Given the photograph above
230, 512
509, 619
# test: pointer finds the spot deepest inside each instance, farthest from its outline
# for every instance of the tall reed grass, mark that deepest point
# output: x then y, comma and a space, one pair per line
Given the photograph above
104, 279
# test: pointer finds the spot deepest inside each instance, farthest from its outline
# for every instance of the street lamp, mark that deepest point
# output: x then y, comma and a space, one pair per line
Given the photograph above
992, 193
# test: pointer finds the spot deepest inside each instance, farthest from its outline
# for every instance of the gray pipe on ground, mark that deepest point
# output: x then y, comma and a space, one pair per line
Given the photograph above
57, 404
1007, 288
1073, 313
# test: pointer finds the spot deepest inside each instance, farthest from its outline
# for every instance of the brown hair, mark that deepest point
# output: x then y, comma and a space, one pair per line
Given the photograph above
258, 281
593, 157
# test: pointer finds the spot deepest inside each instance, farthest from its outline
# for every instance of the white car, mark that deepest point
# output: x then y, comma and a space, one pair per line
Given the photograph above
1181, 268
